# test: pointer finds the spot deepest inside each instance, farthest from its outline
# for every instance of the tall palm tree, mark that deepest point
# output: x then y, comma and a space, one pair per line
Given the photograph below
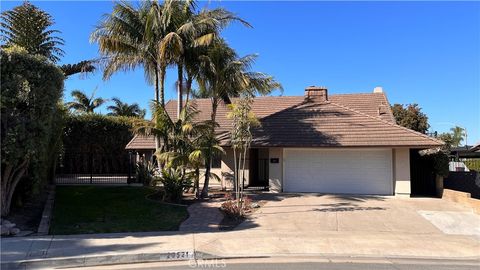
83, 104
28, 27
128, 38
190, 32
458, 134
224, 75
124, 109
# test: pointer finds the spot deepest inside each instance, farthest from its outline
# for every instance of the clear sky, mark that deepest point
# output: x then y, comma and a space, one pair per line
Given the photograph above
419, 52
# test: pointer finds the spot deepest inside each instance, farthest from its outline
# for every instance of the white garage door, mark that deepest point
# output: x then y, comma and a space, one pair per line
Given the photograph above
338, 171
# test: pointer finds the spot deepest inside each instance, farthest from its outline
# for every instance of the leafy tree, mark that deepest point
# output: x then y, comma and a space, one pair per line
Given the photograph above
224, 75
155, 36
124, 109
186, 145
447, 138
453, 138
84, 104
28, 27
411, 116
241, 138
31, 89
458, 133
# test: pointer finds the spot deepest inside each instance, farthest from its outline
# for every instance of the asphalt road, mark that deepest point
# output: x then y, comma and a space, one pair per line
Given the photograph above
300, 264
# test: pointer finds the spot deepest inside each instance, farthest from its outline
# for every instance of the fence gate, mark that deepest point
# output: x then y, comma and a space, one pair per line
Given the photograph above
94, 168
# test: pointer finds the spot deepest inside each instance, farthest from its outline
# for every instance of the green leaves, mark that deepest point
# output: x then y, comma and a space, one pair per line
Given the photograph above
411, 116
84, 104
28, 27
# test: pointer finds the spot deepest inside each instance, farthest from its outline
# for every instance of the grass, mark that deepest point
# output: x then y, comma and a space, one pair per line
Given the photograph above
93, 209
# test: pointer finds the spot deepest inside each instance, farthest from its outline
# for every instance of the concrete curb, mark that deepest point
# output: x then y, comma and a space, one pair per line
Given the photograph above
89, 261
44, 225
84, 261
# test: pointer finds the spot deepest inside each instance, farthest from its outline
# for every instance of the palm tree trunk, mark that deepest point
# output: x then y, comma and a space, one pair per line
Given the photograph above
189, 87
162, 86
157, 139
208, 159
235, 172
180, 92
156, 85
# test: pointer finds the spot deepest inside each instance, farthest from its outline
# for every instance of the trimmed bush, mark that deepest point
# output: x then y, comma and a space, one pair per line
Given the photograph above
98, 138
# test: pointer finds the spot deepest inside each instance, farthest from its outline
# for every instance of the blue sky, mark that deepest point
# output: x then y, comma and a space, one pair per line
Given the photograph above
419, 52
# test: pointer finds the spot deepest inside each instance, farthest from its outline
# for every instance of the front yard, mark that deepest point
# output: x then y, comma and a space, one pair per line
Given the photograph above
93, 209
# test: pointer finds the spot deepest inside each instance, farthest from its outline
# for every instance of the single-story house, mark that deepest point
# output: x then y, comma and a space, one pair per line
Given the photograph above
346, 143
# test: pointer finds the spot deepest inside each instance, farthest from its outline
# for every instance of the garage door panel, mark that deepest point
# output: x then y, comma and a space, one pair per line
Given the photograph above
338, 171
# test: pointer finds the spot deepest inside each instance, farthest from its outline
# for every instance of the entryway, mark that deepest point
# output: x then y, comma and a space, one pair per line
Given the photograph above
258, 168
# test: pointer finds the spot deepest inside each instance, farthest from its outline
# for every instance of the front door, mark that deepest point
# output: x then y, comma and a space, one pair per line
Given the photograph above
258, 169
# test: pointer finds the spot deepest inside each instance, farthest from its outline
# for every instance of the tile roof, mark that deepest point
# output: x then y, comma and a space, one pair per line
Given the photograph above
141, 142
347, 120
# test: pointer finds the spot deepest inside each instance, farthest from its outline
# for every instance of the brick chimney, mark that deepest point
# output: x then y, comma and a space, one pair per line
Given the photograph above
318, 93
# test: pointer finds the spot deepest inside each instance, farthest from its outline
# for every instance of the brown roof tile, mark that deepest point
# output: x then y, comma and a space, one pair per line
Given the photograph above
141, 142
348, 120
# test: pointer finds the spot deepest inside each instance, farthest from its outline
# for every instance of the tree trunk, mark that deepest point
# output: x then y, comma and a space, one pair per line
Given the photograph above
208, 158
180, 90
162, 86
157, 96
235, 172
10, 179
197, 183
189, 87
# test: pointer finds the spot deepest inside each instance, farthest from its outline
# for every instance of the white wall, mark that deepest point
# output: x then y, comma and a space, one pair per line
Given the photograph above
401, 171
275, 173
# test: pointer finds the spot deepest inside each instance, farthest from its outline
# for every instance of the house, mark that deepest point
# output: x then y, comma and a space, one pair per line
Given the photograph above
347, 143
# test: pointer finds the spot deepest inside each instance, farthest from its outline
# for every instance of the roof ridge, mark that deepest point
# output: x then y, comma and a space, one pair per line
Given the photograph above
388, 103
351, 94
388, 123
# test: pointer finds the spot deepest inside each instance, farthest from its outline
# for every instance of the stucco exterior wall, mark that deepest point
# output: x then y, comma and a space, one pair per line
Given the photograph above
401, 171
275, 169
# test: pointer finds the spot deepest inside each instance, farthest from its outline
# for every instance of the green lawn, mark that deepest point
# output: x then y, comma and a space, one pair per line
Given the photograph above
93, 209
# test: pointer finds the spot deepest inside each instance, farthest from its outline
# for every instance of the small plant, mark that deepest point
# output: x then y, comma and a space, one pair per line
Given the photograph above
144, 173
236, 208
175, 182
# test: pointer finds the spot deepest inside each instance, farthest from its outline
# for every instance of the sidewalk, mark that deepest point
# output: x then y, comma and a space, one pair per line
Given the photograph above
98, 249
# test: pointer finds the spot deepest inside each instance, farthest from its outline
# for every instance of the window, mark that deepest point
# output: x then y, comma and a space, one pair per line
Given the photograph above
216, 163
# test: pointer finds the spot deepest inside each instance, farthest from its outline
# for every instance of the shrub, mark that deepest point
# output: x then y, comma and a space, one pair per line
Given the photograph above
473, 164
145, 172
32, 121
175, 182
236, 208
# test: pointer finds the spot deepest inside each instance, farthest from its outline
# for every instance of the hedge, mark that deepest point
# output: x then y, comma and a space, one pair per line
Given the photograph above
32, 120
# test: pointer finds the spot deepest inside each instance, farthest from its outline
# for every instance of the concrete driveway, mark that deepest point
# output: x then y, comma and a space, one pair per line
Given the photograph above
313, 212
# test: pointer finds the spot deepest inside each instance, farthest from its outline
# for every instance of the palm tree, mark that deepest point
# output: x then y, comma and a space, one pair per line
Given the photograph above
128, 38
224, 75
458, 134
83, 104
124, 109
189, 33
27, 26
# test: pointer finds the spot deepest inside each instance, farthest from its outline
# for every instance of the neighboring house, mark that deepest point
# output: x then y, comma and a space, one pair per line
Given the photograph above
346, 143
466, 151
464, 156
